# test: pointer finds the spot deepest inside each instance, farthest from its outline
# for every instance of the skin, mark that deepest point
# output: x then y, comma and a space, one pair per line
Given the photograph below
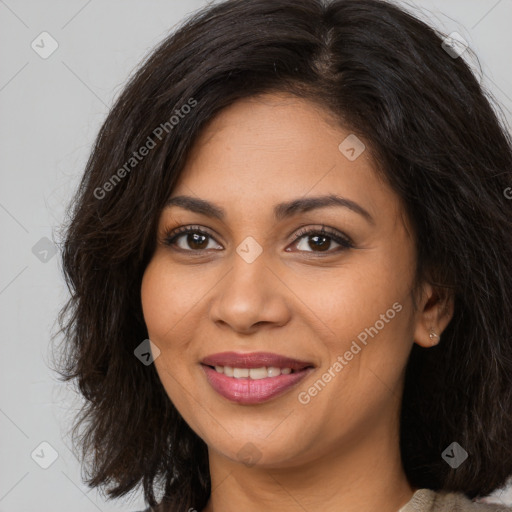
341, 448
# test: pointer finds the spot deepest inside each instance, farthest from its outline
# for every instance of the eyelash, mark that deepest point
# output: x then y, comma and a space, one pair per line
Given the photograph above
344, 241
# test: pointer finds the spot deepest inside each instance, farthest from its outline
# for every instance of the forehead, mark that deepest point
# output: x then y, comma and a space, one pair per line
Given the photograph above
278, 146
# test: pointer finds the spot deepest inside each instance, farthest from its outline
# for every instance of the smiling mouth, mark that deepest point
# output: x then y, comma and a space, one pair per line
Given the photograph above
254, 377
252, 386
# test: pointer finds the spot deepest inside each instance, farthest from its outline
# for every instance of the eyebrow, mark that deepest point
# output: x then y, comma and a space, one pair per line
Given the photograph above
281, 210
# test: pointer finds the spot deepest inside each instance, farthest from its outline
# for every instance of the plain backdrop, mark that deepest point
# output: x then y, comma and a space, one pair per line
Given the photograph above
50, 112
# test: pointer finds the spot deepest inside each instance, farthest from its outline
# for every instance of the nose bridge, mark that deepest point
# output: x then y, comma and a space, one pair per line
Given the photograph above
248, 281
249, 263
251, 293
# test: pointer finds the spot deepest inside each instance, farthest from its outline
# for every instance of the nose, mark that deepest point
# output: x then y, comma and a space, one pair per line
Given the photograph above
251, 297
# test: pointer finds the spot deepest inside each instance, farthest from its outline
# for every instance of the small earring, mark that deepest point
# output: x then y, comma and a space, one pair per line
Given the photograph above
433, 334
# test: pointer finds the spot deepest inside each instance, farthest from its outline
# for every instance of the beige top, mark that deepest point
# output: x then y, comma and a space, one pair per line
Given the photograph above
426, 500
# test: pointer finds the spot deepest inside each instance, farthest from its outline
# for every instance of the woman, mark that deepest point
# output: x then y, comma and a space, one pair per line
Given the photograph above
303, 205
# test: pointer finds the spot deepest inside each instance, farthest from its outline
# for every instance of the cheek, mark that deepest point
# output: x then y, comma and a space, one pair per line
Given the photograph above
167, 298
163, 308
354, 297
366, 315
154, 301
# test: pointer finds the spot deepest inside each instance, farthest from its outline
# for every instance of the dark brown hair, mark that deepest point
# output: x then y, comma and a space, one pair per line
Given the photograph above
437, 140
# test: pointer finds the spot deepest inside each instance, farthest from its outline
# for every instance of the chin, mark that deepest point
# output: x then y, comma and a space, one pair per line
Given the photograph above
252, 451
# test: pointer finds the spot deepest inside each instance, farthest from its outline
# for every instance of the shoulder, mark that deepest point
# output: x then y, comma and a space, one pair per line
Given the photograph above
426, 500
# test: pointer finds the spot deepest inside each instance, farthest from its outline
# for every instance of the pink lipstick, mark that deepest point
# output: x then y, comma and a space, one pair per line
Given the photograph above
253, 378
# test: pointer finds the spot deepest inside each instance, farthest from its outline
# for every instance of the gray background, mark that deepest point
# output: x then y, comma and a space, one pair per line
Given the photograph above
51, 110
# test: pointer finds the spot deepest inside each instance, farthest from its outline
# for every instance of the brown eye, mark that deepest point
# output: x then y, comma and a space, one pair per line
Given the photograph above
196, 240
321, 241
190, 239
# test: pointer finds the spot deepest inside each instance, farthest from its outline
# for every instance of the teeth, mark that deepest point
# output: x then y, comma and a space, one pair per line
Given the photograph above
240, 373
252, 373
258, 373
273, 371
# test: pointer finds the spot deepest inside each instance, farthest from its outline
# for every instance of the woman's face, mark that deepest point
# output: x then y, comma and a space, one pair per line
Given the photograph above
339, 303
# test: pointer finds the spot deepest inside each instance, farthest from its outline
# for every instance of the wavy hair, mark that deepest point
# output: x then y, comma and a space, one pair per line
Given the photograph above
437, 138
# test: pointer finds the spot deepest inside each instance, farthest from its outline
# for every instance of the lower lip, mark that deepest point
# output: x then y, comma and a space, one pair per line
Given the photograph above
252, 391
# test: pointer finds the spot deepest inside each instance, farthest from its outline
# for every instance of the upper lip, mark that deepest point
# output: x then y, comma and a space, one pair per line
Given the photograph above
254, 360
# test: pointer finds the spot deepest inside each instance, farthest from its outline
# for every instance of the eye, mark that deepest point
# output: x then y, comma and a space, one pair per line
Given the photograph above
196, 239
189, 238
321, 240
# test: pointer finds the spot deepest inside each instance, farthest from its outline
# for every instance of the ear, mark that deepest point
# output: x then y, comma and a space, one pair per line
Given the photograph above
435, 310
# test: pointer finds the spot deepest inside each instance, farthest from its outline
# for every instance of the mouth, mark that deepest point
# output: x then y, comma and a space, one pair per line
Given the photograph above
253, 378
